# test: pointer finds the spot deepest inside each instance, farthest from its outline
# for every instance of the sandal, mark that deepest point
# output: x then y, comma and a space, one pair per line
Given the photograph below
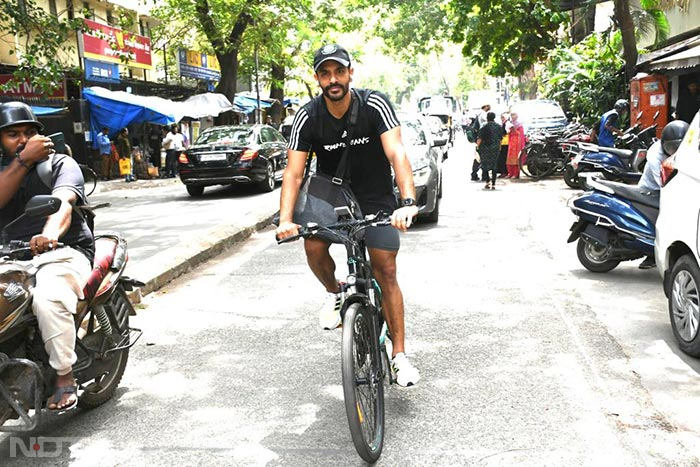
58, 393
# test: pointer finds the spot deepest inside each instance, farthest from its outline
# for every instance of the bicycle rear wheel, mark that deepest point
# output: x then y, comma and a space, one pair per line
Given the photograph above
363, 385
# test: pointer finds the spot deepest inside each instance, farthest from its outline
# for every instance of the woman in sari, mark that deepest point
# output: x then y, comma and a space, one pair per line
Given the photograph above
516, 143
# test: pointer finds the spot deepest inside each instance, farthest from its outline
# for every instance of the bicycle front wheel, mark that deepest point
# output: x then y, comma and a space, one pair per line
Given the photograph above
363, 385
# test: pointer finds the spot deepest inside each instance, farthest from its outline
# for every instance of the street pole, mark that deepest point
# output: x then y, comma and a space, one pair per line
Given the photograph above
258, 117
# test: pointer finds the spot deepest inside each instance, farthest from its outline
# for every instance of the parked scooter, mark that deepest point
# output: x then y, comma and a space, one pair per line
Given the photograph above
102, 323
624, 163
615, 223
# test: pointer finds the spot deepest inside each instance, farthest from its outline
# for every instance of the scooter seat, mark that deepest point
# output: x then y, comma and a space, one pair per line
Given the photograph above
633, 193
623, 153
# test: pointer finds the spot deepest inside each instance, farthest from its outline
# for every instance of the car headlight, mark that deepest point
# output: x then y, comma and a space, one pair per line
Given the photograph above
421, 175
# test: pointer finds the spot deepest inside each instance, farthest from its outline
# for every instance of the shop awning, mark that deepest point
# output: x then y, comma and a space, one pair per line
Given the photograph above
682, 54
246, 104
209, 104
40, 110
119, 109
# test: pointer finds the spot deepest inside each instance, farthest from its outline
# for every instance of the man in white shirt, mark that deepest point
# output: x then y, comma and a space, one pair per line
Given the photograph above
174, 144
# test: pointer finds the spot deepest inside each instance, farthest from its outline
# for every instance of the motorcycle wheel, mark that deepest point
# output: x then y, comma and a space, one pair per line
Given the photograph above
683, 301
101, 389
591, 255
570, 177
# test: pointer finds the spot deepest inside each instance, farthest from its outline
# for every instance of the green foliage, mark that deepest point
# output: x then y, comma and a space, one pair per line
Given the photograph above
505, 37
585, 79
41, 44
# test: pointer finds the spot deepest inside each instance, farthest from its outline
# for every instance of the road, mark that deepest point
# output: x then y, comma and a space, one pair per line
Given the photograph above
526, 358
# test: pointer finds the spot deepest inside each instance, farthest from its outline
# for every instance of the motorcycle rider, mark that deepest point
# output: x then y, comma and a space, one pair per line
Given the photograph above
610, 123
650, 182
62, 272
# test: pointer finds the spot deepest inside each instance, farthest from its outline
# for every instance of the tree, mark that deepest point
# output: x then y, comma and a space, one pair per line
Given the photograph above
623, 18
41, 42
506, 38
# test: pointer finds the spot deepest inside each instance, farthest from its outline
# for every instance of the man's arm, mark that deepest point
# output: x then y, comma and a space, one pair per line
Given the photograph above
36, 150
57, 224
291, 181
396, 154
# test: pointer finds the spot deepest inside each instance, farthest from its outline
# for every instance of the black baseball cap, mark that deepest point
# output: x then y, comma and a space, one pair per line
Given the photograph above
331, 52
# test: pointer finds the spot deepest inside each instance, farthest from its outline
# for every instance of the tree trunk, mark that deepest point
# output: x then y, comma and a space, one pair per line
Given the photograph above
629, 42
227, 84
277, 73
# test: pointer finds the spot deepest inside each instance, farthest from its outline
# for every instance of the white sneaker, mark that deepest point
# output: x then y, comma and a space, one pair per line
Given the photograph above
406, 374
329, 317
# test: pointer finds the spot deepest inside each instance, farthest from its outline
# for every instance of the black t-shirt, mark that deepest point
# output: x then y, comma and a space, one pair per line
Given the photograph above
316, 130
65, 173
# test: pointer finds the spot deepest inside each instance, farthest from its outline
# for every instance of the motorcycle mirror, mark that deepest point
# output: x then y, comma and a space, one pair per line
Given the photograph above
42, 206
37, 206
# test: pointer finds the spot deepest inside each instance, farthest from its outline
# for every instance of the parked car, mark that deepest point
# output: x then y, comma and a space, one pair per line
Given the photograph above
677, 237
426, 161
540, 114
225, 155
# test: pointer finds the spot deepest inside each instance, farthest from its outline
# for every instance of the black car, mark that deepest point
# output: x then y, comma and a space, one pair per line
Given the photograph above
225, 155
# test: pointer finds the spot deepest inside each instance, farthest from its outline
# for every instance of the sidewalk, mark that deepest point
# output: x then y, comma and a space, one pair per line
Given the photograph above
168, 233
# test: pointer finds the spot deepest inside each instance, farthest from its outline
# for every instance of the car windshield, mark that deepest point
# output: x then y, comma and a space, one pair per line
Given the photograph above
237, 136
538, 109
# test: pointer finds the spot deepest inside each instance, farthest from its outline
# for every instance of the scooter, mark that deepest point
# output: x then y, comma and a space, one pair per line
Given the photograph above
104, 336
615, 223
624, 163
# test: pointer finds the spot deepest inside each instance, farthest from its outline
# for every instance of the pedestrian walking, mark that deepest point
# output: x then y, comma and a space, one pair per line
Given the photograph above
503, 155
174, 143
489, 145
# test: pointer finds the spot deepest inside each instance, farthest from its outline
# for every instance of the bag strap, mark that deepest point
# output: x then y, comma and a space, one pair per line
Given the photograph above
343, 173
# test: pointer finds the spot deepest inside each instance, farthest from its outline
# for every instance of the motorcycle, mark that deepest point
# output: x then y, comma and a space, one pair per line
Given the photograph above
545, 152
623, 163
104, 336
615, 223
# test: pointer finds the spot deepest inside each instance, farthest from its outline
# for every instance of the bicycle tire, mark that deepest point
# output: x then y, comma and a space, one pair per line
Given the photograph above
89, 179
363, 385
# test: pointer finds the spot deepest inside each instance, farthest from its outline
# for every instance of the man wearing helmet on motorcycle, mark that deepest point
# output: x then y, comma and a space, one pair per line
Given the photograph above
62, 272
650, 182
610, 123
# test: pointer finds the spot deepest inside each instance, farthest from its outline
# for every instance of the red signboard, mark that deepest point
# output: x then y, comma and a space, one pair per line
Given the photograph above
26, 89
108, 44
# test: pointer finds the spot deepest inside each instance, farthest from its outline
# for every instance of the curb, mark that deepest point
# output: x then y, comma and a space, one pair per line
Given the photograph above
187, 256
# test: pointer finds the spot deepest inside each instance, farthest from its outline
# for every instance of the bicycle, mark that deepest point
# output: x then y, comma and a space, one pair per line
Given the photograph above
89, 177
364, 358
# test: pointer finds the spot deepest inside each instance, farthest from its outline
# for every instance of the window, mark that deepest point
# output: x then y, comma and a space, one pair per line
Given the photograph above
110, 18
144, 28
52, 7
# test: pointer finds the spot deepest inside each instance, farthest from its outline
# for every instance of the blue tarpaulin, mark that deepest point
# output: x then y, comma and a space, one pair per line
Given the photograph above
247, 104
118, 109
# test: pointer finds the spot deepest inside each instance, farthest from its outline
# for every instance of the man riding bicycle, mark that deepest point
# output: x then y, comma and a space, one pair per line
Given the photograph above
375, 149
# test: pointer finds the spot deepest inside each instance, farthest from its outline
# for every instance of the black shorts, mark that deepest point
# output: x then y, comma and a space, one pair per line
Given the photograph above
384, 237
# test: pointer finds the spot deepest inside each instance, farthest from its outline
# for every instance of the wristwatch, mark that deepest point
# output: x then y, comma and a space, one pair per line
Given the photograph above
408, 202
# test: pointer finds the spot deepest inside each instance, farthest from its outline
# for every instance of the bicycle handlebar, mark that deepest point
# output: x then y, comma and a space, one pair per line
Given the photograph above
352, 226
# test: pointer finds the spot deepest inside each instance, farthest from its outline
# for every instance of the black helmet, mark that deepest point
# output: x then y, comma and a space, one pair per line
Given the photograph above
621, 105
672, 136
17, 113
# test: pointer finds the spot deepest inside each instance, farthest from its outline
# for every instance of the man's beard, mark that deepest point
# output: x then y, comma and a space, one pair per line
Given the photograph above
326, 92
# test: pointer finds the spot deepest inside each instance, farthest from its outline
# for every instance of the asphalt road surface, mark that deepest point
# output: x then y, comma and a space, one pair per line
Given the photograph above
526, 358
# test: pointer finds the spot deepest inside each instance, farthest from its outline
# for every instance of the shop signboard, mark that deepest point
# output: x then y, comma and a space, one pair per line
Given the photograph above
101, 71
197, 65
27, 90
108, 44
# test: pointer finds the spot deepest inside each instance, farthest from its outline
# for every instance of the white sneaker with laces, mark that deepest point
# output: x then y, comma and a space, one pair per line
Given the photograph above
329, 317
406, 374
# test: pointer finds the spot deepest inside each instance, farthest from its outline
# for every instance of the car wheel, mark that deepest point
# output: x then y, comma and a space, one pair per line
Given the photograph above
684, 304
268, 183
433, 216
592, 256
195, 190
